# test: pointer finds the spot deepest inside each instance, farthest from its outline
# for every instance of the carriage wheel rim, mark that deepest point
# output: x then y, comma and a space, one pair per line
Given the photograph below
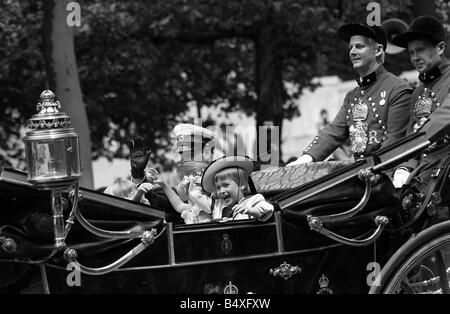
424, 251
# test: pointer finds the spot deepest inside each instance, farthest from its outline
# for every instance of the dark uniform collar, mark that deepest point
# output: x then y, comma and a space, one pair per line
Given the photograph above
434, 73
371, 78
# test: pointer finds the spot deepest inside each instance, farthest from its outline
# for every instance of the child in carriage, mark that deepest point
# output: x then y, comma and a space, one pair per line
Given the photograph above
197, 208
228, 179
127, 189
188, 197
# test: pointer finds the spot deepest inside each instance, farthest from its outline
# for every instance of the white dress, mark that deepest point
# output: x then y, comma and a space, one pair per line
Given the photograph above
200, 209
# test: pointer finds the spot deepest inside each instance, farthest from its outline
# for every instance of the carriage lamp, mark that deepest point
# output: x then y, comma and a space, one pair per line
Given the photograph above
53, 156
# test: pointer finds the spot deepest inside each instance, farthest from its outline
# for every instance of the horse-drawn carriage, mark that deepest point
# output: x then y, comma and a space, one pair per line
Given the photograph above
337, 228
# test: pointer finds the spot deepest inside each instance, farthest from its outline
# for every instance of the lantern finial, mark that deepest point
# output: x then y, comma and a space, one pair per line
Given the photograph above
48, 104
48, 116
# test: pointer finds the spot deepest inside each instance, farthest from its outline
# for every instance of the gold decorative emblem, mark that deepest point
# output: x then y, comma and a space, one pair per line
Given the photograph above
424, 104
358, 131
360, 111
373, 137
358, 137
285, 271
226, 244
323, 284
230, 289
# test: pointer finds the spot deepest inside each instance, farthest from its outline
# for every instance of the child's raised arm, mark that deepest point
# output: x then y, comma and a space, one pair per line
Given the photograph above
141, 191
173, 197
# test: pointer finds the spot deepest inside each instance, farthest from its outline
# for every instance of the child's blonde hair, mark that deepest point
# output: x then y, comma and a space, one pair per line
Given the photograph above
122, 188
236, 174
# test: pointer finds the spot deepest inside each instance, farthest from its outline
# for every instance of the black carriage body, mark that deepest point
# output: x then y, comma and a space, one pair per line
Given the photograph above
234, 256
282, 255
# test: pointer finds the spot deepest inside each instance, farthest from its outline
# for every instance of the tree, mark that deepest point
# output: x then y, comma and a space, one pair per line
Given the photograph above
62, 75
143, 64
235, 52
22, 76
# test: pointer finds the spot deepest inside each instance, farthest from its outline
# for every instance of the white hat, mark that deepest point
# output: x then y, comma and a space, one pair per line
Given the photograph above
189, 134
225, 162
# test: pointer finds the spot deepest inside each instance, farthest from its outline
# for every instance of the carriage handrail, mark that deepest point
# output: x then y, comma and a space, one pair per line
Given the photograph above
407, 148
74, 200
146, 240
126, 234
380, 221
369, 178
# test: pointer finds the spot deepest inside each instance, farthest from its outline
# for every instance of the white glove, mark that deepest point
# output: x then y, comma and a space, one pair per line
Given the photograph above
400, 177
303, 159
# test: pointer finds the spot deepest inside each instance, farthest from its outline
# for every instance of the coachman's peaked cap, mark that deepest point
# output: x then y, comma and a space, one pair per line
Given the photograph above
423, 27
346, 31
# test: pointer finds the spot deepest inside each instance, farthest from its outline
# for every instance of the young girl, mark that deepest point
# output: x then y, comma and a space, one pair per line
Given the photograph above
127, 189
198, 206
228, 178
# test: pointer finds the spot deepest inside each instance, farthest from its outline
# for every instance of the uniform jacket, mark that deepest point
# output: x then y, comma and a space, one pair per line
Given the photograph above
387, 98
435, 85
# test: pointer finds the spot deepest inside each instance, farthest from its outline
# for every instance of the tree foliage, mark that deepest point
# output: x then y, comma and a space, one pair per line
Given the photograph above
142, 64
159, 56
22, 76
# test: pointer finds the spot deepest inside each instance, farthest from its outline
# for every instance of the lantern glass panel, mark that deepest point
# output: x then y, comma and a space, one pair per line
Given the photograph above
47, 159
74, 156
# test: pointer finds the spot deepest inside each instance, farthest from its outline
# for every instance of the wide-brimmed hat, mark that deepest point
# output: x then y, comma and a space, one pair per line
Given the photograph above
346, 32
187, 135
423, 27
222, 163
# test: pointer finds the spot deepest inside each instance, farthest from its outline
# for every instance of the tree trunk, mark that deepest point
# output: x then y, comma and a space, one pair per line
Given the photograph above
268, 85
62, 76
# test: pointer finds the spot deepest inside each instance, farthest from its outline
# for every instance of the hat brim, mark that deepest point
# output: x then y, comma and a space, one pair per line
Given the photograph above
184, 129
348, 30
217, 165
403, 39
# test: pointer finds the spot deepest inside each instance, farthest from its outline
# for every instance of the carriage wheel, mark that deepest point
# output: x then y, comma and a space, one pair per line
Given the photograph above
420, 266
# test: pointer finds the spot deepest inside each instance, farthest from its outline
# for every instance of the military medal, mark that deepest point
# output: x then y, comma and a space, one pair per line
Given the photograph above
358, 131
383, 95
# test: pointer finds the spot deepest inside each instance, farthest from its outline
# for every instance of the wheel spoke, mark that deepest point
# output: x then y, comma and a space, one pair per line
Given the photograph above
406, 287
442, 271
421, 265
